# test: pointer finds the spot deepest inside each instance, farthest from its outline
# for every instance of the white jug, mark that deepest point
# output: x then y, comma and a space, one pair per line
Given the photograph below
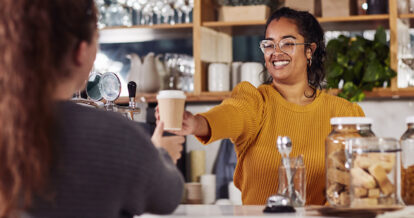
134, 72
149, 74
144, 74
162, 72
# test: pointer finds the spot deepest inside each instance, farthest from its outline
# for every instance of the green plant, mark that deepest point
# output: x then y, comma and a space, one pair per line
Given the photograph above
362, 64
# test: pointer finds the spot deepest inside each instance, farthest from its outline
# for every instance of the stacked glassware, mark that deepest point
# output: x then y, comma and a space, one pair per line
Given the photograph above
143, 12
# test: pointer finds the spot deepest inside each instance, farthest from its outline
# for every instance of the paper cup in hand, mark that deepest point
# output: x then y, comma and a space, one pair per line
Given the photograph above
171, 108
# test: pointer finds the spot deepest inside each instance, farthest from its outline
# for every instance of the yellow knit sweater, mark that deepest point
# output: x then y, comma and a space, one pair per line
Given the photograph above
253, 118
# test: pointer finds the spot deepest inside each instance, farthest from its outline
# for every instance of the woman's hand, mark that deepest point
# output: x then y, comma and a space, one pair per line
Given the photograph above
172, 144
192, 125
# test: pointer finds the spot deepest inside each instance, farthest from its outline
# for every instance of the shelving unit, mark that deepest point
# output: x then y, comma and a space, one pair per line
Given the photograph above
376, 93
155, 26
191, 97
355, 18
212, 42
411, 16
127, 34
231, 24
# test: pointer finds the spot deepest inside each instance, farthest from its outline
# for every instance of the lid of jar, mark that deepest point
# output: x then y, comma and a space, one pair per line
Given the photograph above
409, 119
350, 120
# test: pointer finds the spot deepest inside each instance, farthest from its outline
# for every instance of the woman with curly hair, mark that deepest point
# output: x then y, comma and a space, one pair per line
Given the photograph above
290, 103
60, 159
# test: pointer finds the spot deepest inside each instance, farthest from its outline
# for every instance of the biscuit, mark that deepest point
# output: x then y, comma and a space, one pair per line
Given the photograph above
360, 192
374, 193
380, 175
335, 175
360, 178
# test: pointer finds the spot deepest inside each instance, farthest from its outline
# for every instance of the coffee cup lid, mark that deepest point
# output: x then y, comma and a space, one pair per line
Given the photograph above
171, 94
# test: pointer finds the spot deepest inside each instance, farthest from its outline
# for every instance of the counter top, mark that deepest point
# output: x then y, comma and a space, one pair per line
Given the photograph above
220, 211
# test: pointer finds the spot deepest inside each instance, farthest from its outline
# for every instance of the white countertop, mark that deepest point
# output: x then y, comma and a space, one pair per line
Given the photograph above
220, 211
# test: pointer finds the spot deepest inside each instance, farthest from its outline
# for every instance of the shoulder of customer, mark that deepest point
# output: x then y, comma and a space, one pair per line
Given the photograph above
153, 179
147, 173
106, 127
161, 184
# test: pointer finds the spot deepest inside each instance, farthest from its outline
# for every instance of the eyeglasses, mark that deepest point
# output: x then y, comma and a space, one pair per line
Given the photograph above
286, 45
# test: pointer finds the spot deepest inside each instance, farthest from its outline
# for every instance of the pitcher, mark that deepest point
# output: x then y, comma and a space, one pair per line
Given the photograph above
162, 72
145, 73
135, 70
150, 79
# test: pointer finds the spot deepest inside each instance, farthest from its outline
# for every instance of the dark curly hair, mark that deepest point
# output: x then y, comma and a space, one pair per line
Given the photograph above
312, 31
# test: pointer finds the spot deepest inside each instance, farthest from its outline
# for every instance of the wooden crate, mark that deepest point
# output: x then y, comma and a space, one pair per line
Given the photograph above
312, 6
243, 13
338, 8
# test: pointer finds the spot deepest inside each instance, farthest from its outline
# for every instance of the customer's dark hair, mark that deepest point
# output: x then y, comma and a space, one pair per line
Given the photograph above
312, 31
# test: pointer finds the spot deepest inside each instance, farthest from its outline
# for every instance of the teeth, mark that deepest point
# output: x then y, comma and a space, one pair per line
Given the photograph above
280, 63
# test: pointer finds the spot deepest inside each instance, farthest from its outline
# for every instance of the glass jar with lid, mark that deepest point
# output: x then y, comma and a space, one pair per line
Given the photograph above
374, 172
407, 146
337, 169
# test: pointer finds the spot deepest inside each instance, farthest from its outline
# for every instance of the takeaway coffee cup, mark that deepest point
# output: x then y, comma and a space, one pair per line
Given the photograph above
171, 108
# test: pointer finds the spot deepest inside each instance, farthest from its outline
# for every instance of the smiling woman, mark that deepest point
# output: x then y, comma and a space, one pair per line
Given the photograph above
289, 104
300, 28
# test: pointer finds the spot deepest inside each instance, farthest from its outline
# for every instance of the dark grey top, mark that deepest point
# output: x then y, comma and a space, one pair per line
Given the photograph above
106, 166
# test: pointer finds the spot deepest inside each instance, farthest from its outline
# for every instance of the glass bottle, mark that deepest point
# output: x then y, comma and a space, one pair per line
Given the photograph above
336, 166
407, 171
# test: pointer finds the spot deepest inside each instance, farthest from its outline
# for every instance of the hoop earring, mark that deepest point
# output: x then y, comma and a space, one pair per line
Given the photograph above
309, 62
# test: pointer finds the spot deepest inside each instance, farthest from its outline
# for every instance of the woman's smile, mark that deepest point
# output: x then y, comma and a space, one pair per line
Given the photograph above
279, 64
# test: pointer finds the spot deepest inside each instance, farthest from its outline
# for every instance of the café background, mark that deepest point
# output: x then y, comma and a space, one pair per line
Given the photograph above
388, 114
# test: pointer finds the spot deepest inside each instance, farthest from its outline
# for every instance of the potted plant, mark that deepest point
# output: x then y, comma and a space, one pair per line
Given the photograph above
358, 64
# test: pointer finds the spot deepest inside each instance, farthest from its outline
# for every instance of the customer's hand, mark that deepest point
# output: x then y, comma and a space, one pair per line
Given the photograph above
172, 144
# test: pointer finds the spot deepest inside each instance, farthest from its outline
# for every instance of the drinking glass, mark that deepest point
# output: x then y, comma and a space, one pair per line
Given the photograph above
298, 180
118, 14
157, 9
168, 14
178, 4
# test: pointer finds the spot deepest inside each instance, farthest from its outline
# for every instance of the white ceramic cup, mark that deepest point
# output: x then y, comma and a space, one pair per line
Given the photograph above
235, 73
171, 107
208, 188
218, 77
252, 72
234, 194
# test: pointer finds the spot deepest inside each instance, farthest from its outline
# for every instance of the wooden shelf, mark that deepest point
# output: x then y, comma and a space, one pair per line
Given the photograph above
355, 18
155, 26
203, 97
124, 34
384, 93
406, 16
237, 23
376, 93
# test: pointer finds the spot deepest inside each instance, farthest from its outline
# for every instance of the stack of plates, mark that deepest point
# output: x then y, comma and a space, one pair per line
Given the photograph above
193, 194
